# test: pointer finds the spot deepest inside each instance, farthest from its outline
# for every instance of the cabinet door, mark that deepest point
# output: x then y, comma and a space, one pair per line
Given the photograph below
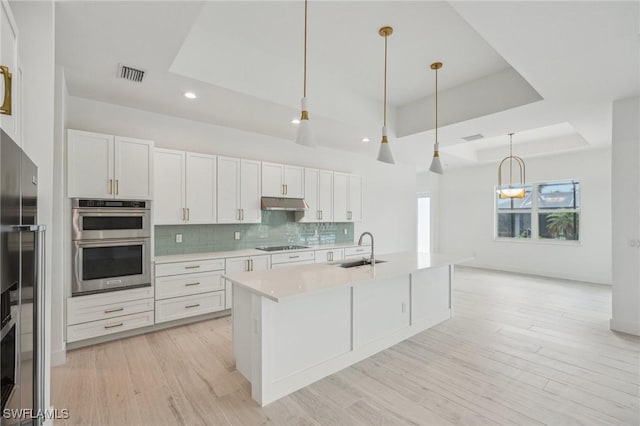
9, 58
294, 182
234, 265
228, 191
168, 181
311, 180
355, 198
133, 168
250, 183
325, 195
331, 255
89, 165
260, 263
340, 194
272, 180
200, 188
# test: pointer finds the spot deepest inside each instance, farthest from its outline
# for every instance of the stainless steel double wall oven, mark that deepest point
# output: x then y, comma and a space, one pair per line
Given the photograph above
111, 245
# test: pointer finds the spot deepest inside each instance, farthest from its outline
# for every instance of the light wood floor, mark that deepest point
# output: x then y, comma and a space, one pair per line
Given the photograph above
519, 350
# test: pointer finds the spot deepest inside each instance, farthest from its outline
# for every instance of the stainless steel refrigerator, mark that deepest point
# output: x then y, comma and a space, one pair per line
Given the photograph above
22, 289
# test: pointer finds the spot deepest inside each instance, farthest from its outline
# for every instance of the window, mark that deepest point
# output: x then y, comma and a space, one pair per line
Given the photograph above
548, 211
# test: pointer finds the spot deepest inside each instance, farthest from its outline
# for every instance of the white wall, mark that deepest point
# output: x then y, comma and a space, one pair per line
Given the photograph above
35, 21
61, 232
625, 191
428, 183
467, 219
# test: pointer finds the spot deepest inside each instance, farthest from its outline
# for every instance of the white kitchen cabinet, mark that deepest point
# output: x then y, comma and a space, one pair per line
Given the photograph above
235, 265
168, 180
104, 166
190, 288
107, 313
133, 162
347, 197
318, 193
200, 188
239, 183
357, 252
10, 80
329, 255
281, 180
185, 187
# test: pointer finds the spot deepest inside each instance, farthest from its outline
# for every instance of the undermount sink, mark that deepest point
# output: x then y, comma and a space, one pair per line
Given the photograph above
356, 263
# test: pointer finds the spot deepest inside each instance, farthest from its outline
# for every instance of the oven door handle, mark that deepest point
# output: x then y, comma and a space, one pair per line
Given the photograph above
119, 242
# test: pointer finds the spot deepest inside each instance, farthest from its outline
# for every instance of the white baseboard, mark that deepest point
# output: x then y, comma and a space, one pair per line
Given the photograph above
561, 276
628, 327
58, 358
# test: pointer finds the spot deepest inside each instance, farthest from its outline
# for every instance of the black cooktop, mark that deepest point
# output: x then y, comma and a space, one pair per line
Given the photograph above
279, 248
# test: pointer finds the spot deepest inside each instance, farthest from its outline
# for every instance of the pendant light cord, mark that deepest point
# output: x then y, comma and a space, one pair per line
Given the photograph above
436, 106
510, 159
304, 89
385, 80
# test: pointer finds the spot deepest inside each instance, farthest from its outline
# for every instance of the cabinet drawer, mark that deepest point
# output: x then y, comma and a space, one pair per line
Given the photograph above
288, 264
80, 303
187, 284
166, 269
292, 257
81, 314
108, 326
357, 251
323, 256
188, 306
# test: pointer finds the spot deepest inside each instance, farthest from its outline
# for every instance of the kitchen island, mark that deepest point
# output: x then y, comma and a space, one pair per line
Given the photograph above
294, 326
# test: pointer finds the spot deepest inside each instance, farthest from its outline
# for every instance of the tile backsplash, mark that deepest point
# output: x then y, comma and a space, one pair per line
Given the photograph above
277, 228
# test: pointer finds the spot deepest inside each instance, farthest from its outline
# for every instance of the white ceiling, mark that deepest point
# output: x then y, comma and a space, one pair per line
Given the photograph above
545, 70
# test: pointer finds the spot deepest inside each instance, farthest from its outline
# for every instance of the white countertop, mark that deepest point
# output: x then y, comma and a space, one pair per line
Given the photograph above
240, 253
278, 284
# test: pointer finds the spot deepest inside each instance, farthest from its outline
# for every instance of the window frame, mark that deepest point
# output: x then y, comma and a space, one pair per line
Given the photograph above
535, 212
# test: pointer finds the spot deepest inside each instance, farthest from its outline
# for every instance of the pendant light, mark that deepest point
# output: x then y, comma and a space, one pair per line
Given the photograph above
436, 166
517, 190
305, 135
384, 155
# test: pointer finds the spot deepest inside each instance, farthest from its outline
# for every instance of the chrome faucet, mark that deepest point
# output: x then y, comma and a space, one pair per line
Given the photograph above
372, 259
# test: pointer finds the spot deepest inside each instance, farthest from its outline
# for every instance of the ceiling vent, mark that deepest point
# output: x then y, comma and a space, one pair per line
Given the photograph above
129, 73
473, 137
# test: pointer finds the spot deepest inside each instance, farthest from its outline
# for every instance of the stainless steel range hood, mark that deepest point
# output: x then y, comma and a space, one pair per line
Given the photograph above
286, 204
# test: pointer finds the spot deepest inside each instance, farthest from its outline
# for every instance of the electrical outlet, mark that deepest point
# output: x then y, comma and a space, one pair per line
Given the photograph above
345, 231
236, 235
178, 238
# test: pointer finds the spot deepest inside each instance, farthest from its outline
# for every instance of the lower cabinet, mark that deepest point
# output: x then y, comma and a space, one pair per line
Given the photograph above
331, 255
243, 264
183, 291
107, 313
357, 251
188, 306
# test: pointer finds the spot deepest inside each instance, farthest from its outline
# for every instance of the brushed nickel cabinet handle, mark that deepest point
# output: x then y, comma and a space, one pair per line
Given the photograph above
192, 267
190, 284
286, 189
117, 186
192, 306
188, 214
110, 186
247, 267
293, 257
110, 311
282, 189
114, 325
251, 264
241, 214
5, 108
321, 214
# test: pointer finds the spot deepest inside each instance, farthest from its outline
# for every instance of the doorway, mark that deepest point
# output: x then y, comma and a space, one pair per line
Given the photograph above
424, 224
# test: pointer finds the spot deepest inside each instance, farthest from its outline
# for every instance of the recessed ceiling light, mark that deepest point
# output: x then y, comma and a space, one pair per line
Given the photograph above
365, 139
295, 121
190, 95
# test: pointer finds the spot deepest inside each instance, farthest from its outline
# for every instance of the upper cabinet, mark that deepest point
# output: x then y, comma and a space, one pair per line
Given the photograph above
10, 75
185, 187
239, 184
280, 180
318, 193
104, 166
347, 197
